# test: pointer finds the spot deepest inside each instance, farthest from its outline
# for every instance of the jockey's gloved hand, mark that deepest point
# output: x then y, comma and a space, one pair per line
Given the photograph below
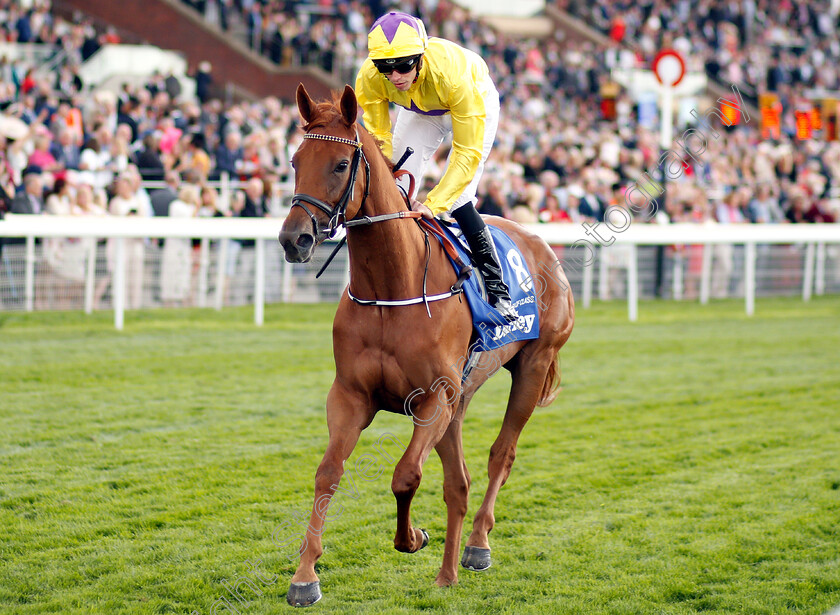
418, 206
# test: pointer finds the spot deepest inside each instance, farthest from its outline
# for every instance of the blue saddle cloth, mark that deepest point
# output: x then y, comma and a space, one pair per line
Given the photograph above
491, 329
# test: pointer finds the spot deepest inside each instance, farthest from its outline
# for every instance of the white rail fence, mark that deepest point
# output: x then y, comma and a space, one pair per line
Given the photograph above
689, 261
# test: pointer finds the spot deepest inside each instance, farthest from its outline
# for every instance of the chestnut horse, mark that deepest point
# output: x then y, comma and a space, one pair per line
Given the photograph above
386, 355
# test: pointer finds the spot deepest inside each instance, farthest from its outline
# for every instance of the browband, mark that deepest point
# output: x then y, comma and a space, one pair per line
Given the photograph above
356, 143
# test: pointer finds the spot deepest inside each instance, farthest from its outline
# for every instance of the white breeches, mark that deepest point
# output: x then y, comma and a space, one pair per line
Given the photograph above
425, 133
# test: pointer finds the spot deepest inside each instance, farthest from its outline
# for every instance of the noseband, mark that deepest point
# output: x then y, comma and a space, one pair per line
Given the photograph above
337, 213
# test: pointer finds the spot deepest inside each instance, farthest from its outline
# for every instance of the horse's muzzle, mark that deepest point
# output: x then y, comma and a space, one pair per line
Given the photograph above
298, 246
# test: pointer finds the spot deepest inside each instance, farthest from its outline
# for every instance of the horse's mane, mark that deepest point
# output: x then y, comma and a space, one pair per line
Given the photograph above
329, 111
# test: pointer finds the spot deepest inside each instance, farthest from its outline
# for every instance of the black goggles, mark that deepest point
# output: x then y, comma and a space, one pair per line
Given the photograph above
401, 65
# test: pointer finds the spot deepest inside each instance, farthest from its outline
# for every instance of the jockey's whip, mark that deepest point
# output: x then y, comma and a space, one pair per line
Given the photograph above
408, 152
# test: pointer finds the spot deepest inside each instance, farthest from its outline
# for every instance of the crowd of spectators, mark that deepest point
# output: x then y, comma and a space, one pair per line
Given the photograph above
774, 46
556, 158
294, 33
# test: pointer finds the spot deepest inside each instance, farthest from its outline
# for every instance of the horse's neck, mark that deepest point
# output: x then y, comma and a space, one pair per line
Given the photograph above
387, 259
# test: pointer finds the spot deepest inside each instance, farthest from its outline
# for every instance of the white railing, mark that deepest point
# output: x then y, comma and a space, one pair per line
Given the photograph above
815, 236
32, 54
578, 259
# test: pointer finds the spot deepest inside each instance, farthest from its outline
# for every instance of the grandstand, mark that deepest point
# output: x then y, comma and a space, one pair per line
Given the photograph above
163, 94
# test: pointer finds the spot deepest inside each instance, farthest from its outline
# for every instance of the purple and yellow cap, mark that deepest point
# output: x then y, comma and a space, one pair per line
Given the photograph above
396, 35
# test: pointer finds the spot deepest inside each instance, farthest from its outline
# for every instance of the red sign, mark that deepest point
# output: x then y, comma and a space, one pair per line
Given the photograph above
729, 109
608, 111
804, 130
771, 116
669, 67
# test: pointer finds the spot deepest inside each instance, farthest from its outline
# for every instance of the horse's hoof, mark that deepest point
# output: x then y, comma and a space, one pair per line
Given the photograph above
425, 538
407, 549
476, 558
304, 594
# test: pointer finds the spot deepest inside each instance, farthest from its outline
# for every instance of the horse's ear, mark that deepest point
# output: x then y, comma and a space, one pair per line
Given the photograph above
349, 106
305, 104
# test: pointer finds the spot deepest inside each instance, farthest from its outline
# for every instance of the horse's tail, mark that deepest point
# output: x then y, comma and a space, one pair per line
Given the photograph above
551, 384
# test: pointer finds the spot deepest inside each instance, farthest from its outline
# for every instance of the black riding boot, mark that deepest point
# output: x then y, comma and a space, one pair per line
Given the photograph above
486, 259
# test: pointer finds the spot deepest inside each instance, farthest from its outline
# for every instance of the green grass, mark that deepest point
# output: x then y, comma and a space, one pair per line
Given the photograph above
690, 464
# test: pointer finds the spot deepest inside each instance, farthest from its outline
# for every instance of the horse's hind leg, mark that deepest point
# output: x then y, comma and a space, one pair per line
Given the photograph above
456, 488
528, 376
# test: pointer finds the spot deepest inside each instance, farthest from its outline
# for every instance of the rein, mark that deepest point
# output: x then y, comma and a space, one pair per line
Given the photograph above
338, 217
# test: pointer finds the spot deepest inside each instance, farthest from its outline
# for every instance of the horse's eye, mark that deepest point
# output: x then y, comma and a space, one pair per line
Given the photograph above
342, 166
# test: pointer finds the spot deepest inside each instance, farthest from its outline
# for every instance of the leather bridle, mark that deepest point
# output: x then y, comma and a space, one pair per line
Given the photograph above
337, 213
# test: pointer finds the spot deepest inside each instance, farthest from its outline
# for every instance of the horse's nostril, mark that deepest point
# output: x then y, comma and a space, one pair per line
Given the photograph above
304, 241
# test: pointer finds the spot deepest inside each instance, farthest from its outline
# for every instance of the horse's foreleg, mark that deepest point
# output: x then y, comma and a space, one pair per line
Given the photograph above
346, 419
456, 488
431, 420
528, 379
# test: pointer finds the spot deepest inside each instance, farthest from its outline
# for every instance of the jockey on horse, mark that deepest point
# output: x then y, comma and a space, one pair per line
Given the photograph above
441, 88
